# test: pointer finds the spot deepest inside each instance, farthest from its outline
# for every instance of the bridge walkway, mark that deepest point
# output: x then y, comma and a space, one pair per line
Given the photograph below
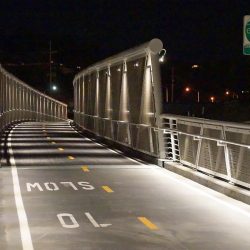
65, 191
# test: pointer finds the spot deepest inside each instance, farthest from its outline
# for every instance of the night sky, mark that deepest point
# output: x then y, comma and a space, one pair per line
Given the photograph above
208, 33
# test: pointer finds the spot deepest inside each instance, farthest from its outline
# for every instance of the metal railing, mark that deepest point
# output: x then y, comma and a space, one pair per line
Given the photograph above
221, 149
122, 132
20, 102
120, 98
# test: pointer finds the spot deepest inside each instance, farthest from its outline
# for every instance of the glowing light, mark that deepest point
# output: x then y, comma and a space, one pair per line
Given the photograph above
136, 64
187, 89
195, 66
227, 93
162, 55
161, 59
54, 87
212, 98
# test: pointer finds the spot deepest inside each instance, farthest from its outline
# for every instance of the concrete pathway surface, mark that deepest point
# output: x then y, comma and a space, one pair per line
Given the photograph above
65, 191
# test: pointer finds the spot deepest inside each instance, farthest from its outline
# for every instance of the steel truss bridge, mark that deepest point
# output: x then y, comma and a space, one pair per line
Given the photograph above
121, 175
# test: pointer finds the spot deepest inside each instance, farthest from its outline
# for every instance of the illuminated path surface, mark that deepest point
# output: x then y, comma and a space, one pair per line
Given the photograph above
71, 193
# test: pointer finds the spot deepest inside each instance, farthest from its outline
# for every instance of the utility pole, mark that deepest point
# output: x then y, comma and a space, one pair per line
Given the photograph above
167, 95
50, 68
172, 84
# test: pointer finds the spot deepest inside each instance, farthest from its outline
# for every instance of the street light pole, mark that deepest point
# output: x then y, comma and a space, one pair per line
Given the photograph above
188, 89
196, 67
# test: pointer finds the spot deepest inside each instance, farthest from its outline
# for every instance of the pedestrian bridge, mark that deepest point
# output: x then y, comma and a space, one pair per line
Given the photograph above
103, 180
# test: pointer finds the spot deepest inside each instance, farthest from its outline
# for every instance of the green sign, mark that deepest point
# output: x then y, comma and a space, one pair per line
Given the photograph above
246, 35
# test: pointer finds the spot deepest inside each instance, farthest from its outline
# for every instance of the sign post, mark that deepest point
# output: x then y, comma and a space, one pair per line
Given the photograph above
246, 35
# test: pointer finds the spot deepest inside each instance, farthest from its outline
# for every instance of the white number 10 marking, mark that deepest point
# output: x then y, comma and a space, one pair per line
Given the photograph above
74, 223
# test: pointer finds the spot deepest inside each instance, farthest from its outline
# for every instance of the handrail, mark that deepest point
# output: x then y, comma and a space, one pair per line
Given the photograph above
154, 46
114, 96
207, 121
117, 121
207, 138
195, 148
20, 102
173, 130
8, 74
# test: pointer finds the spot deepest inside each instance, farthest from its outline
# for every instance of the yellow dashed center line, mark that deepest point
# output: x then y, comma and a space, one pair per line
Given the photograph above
60, 149
147, 223
71, 157
107, 189
85, 168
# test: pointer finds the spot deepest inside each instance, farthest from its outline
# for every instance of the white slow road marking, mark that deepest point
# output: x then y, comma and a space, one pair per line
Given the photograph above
22, 217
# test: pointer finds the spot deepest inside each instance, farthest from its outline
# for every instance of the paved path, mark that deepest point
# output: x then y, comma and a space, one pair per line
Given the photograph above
64, 191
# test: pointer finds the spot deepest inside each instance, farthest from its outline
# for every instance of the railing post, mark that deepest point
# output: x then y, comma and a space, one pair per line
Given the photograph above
227, 159
162, 151
199, 148
97, 103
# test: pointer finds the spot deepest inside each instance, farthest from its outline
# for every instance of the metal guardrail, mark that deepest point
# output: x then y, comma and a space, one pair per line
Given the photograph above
218, 148
20, 102
122, 132
120, 99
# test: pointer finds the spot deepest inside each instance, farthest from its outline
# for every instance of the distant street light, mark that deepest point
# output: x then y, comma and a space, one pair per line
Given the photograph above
195, 66
212, 99
54, 88
188, 89
227, 92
